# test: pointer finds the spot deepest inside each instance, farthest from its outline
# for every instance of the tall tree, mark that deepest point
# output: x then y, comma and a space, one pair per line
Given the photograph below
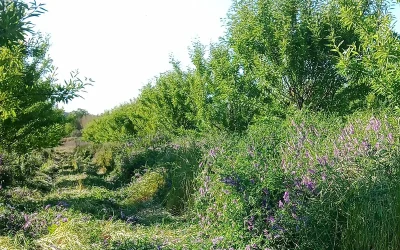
29, 92
305, 51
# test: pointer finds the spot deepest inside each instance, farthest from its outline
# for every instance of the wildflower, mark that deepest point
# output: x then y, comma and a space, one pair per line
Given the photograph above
226, 191
374, 124
350, 129
286, 197
64, 219
213, 153
336, 152
215, 241
47, 206
201, 190
308, 183
323, 176
280, 204
27, 222
366, 145
323, 160
390, 138
267, 234
230, 181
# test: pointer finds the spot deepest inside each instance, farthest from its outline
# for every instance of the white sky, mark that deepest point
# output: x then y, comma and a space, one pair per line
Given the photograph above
122, 44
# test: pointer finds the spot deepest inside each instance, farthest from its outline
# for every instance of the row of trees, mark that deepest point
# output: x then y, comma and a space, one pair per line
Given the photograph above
29, 90
332, 56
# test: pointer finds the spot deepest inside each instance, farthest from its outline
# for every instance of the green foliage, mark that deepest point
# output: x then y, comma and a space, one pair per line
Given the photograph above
77, 120
29, 93
317, 54
104, 158
313, 182
227, 154
373, 60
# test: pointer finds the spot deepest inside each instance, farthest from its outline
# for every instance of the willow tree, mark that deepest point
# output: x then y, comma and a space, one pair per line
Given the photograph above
29, 92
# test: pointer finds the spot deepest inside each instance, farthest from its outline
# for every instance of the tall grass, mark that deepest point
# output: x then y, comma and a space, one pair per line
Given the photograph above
312, 182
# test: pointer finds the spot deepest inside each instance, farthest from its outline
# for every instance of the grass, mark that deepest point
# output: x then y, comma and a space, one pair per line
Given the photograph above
83, 210
299, 184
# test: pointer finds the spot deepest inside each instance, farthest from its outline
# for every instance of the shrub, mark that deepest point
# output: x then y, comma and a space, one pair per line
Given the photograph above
315, 182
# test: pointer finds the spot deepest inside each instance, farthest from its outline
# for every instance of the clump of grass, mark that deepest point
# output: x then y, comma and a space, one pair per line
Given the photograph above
144, 188
7, 243
104, 159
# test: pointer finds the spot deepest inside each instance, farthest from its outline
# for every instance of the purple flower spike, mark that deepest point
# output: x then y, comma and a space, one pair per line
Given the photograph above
286, 197
323, 160
390, 138
271, 219
280, 204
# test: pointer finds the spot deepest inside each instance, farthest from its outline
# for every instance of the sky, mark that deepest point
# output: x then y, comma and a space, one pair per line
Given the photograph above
123, 44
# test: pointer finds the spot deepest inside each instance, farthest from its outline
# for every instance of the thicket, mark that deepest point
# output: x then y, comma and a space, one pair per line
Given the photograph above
283, 135
303, 96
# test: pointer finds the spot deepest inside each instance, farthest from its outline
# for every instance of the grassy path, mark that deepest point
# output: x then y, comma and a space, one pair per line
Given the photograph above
84, 211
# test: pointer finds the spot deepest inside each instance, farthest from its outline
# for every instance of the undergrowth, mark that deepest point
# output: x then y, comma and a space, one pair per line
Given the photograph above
308, 182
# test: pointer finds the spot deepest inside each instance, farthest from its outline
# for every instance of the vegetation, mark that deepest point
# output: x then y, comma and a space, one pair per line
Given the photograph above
283, 135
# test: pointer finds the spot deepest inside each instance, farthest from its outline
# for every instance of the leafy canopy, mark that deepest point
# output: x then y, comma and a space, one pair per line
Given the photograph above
29, 92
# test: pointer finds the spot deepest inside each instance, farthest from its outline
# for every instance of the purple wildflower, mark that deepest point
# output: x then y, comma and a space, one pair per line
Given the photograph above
280, 204
212, 153
271, 219
350, 129
230, 181
27, 222
286, 197
201, 190
390, 138
323, 160
336, 152
215, 241
374, 124
308, 183
366, 145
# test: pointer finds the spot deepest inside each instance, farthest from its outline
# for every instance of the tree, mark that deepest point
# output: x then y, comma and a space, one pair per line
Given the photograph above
310, 53
374, 61
29, 92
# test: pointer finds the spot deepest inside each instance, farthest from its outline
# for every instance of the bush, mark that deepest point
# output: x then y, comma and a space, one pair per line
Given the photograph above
314, 182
